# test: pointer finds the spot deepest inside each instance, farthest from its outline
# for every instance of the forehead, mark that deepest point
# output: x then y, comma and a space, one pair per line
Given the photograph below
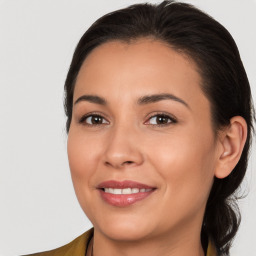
143, 66
144, 53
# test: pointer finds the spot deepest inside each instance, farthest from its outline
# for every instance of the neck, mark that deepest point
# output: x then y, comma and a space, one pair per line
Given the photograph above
178, 244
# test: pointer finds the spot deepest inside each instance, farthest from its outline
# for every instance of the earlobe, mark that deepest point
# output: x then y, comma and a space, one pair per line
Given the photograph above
232, 143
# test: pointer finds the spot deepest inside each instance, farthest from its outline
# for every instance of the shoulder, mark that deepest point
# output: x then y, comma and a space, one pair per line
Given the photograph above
76, 247
211, 250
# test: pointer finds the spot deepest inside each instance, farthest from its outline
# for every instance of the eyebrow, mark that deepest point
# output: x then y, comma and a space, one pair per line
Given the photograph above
147, 99
158, 97
92, 98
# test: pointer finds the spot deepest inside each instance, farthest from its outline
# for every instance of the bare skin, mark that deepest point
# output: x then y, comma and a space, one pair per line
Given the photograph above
167, 143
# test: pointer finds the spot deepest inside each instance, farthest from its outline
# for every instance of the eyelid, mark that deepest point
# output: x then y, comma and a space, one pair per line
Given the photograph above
168, 115
84, 117
155, 114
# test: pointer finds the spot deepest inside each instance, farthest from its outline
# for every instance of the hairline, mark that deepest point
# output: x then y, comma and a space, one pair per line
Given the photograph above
186, 53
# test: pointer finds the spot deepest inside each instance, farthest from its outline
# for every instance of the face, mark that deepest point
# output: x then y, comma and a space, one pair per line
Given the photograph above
141, 146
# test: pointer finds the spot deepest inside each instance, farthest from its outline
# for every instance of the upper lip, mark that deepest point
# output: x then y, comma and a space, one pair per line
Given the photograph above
123, 184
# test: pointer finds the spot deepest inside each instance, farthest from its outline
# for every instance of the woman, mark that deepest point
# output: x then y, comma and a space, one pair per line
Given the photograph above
159, 122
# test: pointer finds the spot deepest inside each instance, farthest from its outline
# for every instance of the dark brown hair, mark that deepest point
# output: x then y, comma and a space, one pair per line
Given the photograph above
192, 32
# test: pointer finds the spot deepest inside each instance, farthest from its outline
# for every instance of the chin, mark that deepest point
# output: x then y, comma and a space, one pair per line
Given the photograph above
124, 229
126, 234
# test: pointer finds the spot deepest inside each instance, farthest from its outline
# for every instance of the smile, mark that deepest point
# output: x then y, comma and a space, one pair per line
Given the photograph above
124, 193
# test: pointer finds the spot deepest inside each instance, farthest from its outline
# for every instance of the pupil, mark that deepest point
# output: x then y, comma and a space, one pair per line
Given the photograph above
162, 120
96, 120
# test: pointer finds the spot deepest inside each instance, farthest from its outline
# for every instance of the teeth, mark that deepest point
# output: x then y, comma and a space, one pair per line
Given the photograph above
117, 191
110, 190
126, 191
135, 190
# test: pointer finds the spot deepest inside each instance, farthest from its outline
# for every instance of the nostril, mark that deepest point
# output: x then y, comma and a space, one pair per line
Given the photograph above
128, 162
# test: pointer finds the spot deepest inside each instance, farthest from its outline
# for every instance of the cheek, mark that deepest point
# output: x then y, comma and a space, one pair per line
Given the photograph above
186, 163
83, 153
82, 162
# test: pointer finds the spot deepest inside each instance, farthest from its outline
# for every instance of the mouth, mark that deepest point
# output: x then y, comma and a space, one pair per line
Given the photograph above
124, 193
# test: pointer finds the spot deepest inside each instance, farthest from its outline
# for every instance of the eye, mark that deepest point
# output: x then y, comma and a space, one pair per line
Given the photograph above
161, 120
93, 120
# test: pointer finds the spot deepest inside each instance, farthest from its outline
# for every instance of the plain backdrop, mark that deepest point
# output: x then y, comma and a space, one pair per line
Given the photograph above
38, 207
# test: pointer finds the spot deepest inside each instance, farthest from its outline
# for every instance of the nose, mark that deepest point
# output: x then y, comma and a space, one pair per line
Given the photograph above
123, 149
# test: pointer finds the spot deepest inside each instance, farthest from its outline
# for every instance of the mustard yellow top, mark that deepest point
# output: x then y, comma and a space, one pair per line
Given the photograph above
78, 247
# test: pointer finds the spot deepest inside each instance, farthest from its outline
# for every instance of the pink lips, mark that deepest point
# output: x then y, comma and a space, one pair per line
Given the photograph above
123, 200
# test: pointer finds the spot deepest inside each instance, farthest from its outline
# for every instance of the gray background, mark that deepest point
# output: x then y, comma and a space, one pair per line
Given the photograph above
38, 207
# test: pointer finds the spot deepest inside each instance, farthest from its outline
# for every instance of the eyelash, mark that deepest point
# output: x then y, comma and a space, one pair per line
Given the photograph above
172, 120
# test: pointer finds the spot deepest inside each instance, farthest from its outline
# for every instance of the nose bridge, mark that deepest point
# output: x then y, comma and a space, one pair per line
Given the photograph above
122, 148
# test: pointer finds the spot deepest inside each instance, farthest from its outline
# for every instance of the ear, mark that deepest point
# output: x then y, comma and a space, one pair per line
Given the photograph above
232, 140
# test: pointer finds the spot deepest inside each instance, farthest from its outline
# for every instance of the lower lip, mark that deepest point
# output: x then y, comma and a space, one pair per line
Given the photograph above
124, 200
